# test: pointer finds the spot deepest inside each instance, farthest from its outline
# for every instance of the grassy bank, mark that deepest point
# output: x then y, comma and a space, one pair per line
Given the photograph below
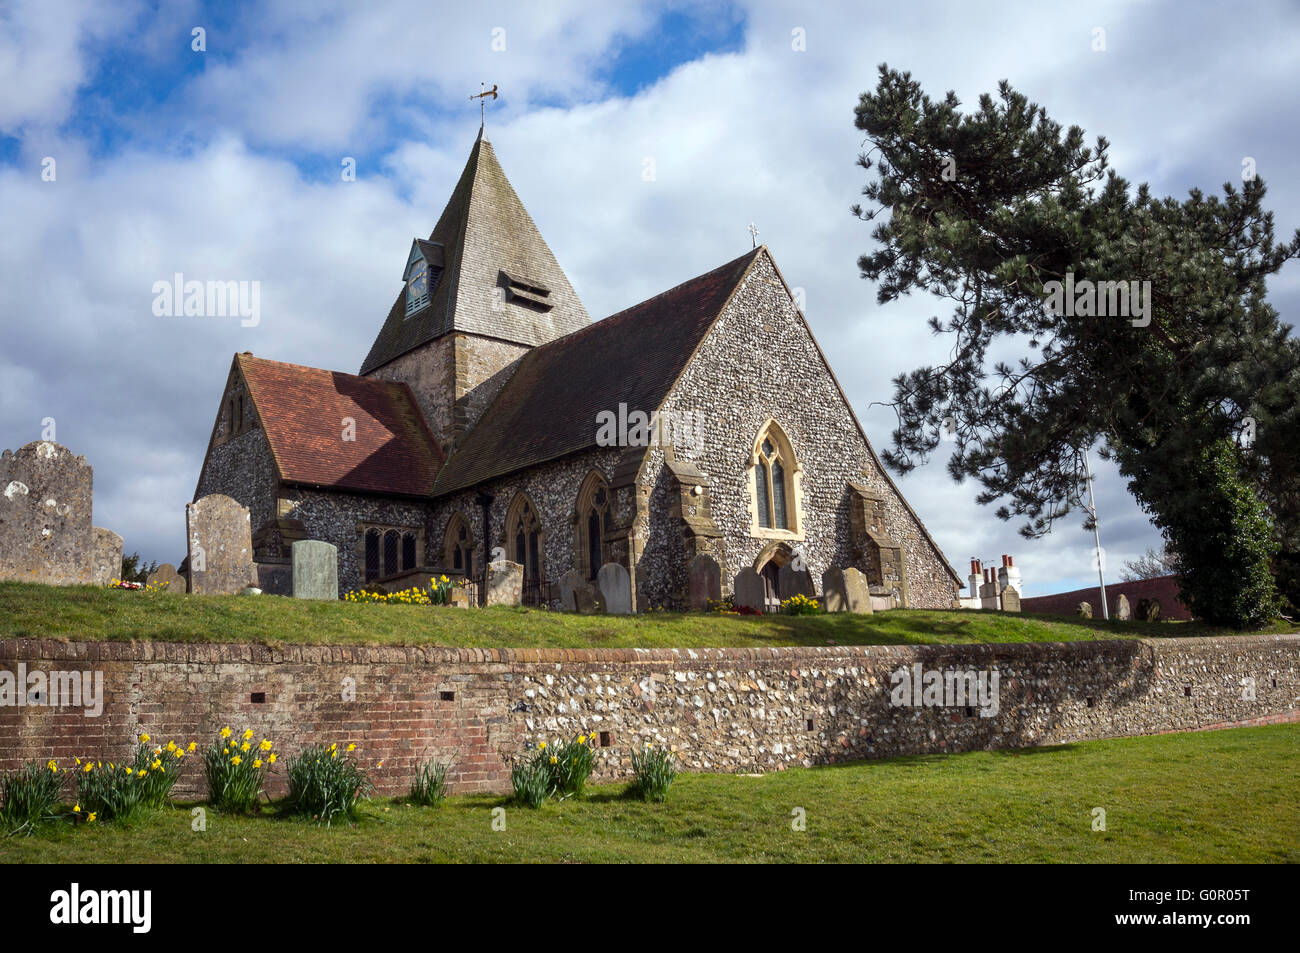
89, 613
1210, 797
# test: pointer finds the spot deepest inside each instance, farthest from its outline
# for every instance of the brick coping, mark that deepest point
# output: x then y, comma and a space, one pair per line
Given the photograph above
260, 652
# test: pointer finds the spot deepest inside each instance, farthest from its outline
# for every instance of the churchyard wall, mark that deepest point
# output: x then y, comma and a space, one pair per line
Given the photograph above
722, 710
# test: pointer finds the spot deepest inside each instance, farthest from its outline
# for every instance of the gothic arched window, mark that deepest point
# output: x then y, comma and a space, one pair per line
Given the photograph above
591, 551
458, 546
524, 538
774, 483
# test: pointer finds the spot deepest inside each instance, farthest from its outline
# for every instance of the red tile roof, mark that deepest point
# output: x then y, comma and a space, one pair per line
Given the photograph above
302, 411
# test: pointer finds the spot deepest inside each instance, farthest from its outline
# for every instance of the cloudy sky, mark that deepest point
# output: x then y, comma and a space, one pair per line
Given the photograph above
225, 163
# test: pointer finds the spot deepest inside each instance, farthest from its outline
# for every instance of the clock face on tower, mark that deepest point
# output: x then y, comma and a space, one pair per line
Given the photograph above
419, 280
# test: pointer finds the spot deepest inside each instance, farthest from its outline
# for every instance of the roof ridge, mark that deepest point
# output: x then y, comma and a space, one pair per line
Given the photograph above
622, 315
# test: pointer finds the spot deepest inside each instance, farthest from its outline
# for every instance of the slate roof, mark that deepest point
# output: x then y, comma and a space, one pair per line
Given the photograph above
485, 230
547, 409
301, 410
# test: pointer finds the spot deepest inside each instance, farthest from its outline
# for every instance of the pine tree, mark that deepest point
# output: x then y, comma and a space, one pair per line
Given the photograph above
1015, 220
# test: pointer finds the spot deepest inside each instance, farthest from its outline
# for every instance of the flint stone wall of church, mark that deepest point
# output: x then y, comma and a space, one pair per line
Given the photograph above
721, 710
427, 371
334, 517
553, 487
757, 362
244, 470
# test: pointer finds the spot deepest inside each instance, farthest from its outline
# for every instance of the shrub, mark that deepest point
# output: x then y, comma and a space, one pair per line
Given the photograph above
800, 604
325, 784
109, 792
653, 770
236, 772
162, 765
430, 785
28, 795
531, 779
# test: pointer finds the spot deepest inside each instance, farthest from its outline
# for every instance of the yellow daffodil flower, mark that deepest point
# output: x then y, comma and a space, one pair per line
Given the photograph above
225, 732
144, 739
236, 760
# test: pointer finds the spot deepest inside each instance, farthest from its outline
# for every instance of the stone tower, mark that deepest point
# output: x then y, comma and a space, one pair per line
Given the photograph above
480, 292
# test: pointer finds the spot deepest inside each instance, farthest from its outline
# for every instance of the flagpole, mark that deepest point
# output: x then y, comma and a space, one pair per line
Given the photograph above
1096, 535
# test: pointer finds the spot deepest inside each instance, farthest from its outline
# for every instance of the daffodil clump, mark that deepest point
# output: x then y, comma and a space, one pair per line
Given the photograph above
653, 770
414, 596
800, 605
236, 768
162, 765
107, 791
327, 783
438, 594
430, 785
28, 795
558, 771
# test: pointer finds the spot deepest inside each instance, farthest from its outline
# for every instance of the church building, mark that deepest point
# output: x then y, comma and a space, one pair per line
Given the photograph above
493, 419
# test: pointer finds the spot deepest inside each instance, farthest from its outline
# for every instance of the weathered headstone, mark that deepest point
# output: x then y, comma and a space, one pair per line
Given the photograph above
615, 588
1010, 600
505, 583
315, 569
45, 516
1085, 610
704, 581
791, 581
1122, 610
570, 581
220, 543
108, 556
1148, 610
166, 573
749, 589
458, 597
846, 590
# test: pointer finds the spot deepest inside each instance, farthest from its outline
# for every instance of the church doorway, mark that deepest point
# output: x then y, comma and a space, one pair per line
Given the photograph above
768, 565
771, 575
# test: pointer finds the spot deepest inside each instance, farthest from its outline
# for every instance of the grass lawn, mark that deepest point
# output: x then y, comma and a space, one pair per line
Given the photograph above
29, 610
1209, 797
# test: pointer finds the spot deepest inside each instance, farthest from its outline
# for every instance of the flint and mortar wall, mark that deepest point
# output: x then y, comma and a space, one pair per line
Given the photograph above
725, 710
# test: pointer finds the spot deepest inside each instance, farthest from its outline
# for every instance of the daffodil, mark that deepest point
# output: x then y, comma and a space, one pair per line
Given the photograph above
271, 759
236, 760
225, 732
352, 747
52, 766
88, 767
244, 747
265, 745
257, 762
193, 745
91, 818
144, 739
248, 733
76, 809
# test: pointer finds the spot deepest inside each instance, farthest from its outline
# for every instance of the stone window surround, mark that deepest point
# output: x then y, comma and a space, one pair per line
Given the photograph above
451, 541
509, 542
365, 527
784, 451
237, 416
594, 481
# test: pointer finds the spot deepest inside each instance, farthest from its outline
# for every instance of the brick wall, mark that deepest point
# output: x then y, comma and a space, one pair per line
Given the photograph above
724, 709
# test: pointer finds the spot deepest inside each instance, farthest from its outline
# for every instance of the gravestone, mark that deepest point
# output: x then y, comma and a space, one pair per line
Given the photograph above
1148, 610
615, 588
794, 582
570, 581
220, 541
505, 583
749, 589
45, 517
1010, 600
108, 556
704, 581
846, 590
1122, 610
1085, 610
166, 573
315, 569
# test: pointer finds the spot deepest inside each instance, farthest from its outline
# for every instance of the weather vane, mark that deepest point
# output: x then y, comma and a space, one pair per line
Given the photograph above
753, 234
482, 98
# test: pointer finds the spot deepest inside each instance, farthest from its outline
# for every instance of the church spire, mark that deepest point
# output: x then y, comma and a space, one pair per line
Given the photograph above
497, 277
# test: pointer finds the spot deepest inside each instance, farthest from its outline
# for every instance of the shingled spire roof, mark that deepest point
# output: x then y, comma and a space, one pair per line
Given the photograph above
500, 278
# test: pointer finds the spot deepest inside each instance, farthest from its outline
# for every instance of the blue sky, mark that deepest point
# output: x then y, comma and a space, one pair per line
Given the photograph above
225, 163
